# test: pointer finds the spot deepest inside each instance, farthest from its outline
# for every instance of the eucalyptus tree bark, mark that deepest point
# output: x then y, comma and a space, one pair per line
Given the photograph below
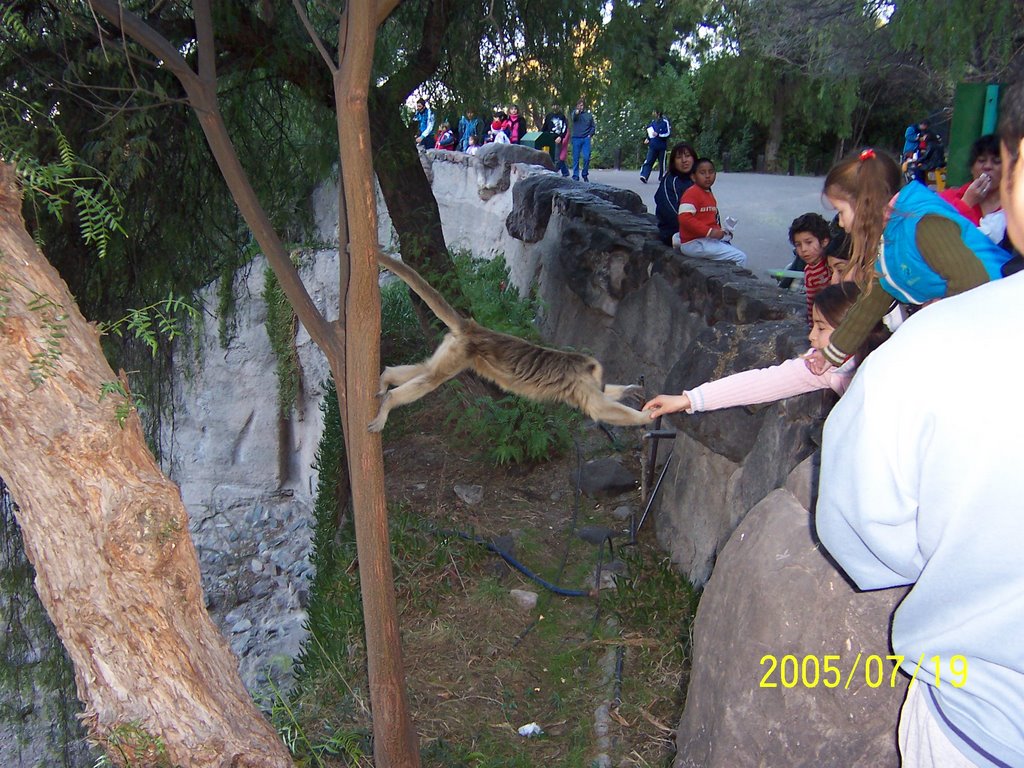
108, 535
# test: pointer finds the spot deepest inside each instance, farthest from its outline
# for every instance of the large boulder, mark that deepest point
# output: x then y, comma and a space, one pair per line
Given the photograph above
532, 200
775, 594
494, 162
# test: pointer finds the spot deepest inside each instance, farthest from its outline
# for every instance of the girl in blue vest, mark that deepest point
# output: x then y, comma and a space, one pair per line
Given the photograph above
908, 245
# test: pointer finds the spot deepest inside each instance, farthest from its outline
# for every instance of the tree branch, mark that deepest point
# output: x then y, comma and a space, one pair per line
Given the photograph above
425, 60
314, 36
202, 94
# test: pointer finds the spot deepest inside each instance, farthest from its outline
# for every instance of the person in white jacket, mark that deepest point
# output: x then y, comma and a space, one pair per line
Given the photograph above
922, 485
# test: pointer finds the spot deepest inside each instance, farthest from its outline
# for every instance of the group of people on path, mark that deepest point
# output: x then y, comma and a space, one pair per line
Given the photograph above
575, 132
920, 482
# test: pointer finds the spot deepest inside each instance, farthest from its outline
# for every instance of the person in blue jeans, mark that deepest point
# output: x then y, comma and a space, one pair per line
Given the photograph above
583, 128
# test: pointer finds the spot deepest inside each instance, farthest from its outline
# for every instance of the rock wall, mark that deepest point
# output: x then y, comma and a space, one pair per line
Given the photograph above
246, 473
790, 662
610, 286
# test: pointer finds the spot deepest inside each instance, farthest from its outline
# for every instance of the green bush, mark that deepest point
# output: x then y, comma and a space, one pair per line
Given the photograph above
513, 430
493, 301
281, 325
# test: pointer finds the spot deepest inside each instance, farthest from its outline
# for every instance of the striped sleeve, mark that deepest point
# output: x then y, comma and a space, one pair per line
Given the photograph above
863, 316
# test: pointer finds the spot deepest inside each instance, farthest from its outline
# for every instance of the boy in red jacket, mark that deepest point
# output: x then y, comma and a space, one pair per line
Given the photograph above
700, 230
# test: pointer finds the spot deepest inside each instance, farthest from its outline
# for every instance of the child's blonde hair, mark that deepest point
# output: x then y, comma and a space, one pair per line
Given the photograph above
867, 181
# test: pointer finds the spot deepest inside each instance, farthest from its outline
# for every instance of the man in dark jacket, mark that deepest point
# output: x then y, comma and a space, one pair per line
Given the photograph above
657, 142
556, 124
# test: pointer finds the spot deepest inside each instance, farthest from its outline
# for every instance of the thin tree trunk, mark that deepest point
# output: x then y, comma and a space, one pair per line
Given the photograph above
774, 141
394, 742
108, 534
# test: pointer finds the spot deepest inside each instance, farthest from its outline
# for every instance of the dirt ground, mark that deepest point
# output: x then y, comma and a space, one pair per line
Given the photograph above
601, 676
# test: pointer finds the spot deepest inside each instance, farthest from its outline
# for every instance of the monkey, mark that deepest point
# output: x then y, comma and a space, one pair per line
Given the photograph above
516, 365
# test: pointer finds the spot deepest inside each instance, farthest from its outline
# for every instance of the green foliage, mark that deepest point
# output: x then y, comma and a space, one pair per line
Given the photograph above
709, 141
493, 301
656, 598
512, 429
226, 304
52, 187
281, 326
961, 39
626, 111
335, 611
311, 750
53, 318
126, 403
180, 225
135, 747
741, 150
164, 320
401, 337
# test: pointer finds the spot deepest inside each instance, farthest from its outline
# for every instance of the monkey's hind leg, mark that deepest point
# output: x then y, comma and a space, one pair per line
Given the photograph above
409, 392
396, 375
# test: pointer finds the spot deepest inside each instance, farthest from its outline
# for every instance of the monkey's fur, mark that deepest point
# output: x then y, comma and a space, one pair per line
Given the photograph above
515, 365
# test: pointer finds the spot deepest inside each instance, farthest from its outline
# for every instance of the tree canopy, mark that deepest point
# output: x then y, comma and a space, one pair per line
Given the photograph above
774, 77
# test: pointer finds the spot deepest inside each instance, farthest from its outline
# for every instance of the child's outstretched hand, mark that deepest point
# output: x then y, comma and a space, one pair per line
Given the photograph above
816, 363
665, 404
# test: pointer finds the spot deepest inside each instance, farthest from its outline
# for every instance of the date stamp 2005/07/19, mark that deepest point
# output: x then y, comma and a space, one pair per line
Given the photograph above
830, 670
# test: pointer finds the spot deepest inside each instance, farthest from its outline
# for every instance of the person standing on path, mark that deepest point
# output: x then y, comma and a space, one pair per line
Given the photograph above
556, 124
583, 128
469, 125
425, 122
657, 142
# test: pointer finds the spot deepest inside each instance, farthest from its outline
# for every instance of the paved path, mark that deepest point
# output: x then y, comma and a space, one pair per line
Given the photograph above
764, 205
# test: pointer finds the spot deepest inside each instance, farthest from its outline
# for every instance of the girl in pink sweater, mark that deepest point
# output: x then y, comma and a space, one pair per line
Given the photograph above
766, 385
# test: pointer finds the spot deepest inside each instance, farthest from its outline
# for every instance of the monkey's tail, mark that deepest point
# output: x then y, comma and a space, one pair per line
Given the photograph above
444, 311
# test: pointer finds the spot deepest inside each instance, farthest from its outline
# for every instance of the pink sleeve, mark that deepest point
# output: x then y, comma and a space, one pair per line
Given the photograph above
765, 385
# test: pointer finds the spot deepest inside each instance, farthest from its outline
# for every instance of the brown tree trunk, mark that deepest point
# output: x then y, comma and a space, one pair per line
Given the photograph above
394, 737
780, 104
108, 534
774, 141
407, 193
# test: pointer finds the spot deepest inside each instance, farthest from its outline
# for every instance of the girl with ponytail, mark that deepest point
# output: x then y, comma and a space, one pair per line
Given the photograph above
908, 245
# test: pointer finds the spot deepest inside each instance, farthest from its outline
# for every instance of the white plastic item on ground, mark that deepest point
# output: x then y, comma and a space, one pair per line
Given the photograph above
531, 729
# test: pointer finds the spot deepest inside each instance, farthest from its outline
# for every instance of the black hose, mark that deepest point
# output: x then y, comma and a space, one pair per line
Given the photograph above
519, 566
